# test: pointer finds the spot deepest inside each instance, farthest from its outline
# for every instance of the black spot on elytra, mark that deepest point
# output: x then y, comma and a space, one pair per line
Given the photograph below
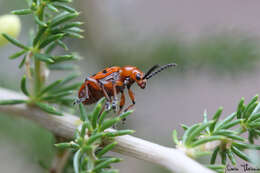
104, 71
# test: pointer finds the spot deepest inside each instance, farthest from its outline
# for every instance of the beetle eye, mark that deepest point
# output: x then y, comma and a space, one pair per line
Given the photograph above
138, 76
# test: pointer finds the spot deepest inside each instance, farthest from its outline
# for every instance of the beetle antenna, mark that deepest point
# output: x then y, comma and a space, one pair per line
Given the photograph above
151, 70
151, 74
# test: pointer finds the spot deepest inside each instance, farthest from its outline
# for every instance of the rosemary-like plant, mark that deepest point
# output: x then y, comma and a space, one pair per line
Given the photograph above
223, 137
53, 22
90, 148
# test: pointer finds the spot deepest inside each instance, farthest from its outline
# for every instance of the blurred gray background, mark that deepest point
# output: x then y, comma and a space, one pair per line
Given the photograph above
215, 44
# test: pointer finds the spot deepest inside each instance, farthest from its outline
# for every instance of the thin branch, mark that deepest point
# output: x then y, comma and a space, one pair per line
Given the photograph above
60, 161
66, 125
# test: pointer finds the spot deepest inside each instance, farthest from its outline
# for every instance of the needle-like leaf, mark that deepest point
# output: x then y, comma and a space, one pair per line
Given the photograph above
106, 149
47, 108
23, 86
15, 42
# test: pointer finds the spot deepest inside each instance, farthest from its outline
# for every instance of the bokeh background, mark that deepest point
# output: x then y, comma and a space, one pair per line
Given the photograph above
215, 44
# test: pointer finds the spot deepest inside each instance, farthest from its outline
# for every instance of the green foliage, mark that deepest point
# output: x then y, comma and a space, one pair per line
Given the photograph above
224, 135
93, 140
53, 21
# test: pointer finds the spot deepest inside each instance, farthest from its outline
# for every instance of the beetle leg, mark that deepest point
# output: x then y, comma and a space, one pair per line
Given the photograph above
107, 104
115, 100
101, 87
122, 102
87, 92
119, 84
100, 84
82, 99
126, 81
105, 92
132, 97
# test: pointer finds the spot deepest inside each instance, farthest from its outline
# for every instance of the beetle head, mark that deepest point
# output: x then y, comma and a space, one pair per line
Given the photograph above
138, 77
141, 78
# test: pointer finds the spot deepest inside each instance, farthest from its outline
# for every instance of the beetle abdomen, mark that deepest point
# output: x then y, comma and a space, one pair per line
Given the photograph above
93, 95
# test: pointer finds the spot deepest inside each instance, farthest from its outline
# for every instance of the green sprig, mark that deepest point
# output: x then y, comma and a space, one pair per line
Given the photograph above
230, 142
91, 137
39, 51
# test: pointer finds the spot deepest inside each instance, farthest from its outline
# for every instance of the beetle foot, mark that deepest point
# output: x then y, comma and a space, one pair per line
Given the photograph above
123, 121
78, 101
114, 105
107, 105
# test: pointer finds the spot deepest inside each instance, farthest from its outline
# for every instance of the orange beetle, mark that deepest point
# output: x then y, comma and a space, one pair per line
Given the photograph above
113, 80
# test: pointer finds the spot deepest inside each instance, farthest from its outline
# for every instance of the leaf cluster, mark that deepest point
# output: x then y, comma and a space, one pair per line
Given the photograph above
225, 134
52, 29
53, 19
54, 23
90, 144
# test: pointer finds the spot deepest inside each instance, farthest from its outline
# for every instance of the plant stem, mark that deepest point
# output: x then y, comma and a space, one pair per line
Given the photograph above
37, 76
41, 10
61, 158
241, 130
60, 161
38, 68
